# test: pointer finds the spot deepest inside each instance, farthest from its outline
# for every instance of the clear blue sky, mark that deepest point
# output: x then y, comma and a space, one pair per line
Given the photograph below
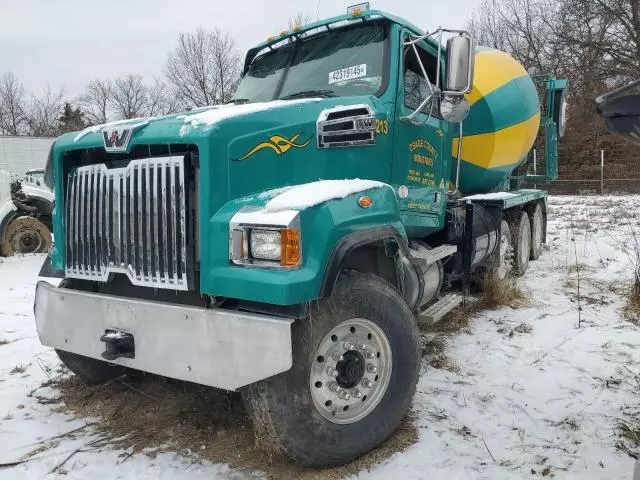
67, 43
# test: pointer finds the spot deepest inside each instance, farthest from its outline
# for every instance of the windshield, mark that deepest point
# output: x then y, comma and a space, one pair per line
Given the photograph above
341, 62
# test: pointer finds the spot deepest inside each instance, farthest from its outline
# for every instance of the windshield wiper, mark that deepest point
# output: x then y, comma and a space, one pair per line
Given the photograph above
310, 93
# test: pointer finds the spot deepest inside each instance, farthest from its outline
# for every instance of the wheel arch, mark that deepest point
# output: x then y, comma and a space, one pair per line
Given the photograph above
5, 220
366, 251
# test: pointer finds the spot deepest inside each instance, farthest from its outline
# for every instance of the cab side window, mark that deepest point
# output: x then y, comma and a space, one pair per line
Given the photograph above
416, 87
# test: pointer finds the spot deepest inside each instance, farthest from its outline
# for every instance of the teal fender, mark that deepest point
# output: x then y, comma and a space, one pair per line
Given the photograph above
324, 230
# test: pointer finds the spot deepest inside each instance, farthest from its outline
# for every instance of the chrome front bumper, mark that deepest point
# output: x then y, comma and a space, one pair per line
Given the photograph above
215, 347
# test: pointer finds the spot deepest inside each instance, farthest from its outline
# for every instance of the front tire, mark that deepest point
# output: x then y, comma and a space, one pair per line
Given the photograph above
355, 367
89, 369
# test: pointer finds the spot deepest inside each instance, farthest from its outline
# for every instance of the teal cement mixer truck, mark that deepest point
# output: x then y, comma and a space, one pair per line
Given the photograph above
286, 244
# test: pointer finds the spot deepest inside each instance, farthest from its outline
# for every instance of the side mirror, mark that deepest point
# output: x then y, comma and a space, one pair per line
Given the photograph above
454, 109
460, 60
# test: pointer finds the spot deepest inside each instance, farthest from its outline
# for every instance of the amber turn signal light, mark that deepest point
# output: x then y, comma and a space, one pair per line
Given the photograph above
290, 247
365, 202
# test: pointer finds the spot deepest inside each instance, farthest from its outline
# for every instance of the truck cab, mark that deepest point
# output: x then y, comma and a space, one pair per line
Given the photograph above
287, 243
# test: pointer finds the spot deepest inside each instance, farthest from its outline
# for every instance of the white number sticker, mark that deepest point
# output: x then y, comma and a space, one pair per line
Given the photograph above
348, 73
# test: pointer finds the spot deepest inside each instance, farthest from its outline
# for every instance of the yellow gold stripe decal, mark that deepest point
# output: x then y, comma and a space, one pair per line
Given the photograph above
493, 69
278, 144
501, 148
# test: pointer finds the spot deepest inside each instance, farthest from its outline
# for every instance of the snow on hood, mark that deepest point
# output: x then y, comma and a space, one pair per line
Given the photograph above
137, 122
308, 195
209, 116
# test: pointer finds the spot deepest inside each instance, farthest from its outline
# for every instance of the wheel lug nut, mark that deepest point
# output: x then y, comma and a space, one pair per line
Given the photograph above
367, 383
334, 387
349, 346
372, 368
345, 396
332, 372
361, 346
356, 393
337, 356
370, 354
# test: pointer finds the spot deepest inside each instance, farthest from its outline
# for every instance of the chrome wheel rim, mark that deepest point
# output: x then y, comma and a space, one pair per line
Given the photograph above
504, 265
351, 370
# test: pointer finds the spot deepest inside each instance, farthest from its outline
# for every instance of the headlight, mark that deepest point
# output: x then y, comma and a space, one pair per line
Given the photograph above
265, 244
261, 239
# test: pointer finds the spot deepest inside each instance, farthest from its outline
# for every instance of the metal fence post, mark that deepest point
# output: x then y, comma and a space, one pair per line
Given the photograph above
602, 172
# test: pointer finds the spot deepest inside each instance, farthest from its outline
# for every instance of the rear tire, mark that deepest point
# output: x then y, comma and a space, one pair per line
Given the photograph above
26, 235
89, 369
300, 413
537, 232
521, 241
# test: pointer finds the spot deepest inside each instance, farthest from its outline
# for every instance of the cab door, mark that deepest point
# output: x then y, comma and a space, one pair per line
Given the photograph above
420, 161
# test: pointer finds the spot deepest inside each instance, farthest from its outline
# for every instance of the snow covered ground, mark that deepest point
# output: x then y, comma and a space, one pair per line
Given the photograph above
533, 394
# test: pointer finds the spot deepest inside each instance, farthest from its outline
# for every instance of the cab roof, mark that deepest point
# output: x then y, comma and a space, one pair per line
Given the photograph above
326, 24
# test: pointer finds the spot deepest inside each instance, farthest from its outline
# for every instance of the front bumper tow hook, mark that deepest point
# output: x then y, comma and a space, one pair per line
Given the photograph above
118, 344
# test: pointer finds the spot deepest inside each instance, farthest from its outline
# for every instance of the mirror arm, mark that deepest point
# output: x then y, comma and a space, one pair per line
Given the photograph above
417, 110
422, 69
439, 59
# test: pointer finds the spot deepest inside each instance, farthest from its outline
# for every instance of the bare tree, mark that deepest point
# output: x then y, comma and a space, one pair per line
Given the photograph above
160, 100
622, 39
226, 62
96, 101
43, 117
12, 105
204, 68
298, 20
129, 97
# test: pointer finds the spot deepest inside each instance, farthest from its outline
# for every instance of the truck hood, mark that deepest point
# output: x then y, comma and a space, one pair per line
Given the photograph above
194, 123
246, 148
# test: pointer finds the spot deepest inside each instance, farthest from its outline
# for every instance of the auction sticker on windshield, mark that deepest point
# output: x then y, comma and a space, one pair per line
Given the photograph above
348, 73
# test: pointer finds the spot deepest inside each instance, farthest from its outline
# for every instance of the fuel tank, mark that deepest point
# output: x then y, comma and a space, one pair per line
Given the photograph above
502, 124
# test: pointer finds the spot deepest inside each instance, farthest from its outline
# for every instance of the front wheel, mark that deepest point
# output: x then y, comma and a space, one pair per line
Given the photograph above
90, 370
355, 368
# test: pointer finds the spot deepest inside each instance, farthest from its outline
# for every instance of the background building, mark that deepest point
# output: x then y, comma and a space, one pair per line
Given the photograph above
20, 153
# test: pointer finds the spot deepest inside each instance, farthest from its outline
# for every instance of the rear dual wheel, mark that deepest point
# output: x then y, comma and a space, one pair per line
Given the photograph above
527, 235
355, 367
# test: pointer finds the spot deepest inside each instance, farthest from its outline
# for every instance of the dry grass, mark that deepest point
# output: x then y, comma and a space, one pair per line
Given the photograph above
153, 414
442, 362
4, 342
519, 329
498, 293
632, 307
18, 369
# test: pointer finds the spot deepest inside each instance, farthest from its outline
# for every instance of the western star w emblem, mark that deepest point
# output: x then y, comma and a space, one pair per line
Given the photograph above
116, 140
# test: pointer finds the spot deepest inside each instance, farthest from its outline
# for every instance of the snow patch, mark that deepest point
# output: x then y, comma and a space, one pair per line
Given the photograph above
210, 116
139, 122
491, 196
311, 194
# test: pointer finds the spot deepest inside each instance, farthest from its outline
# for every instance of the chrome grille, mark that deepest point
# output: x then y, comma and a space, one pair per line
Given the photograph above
129, 220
